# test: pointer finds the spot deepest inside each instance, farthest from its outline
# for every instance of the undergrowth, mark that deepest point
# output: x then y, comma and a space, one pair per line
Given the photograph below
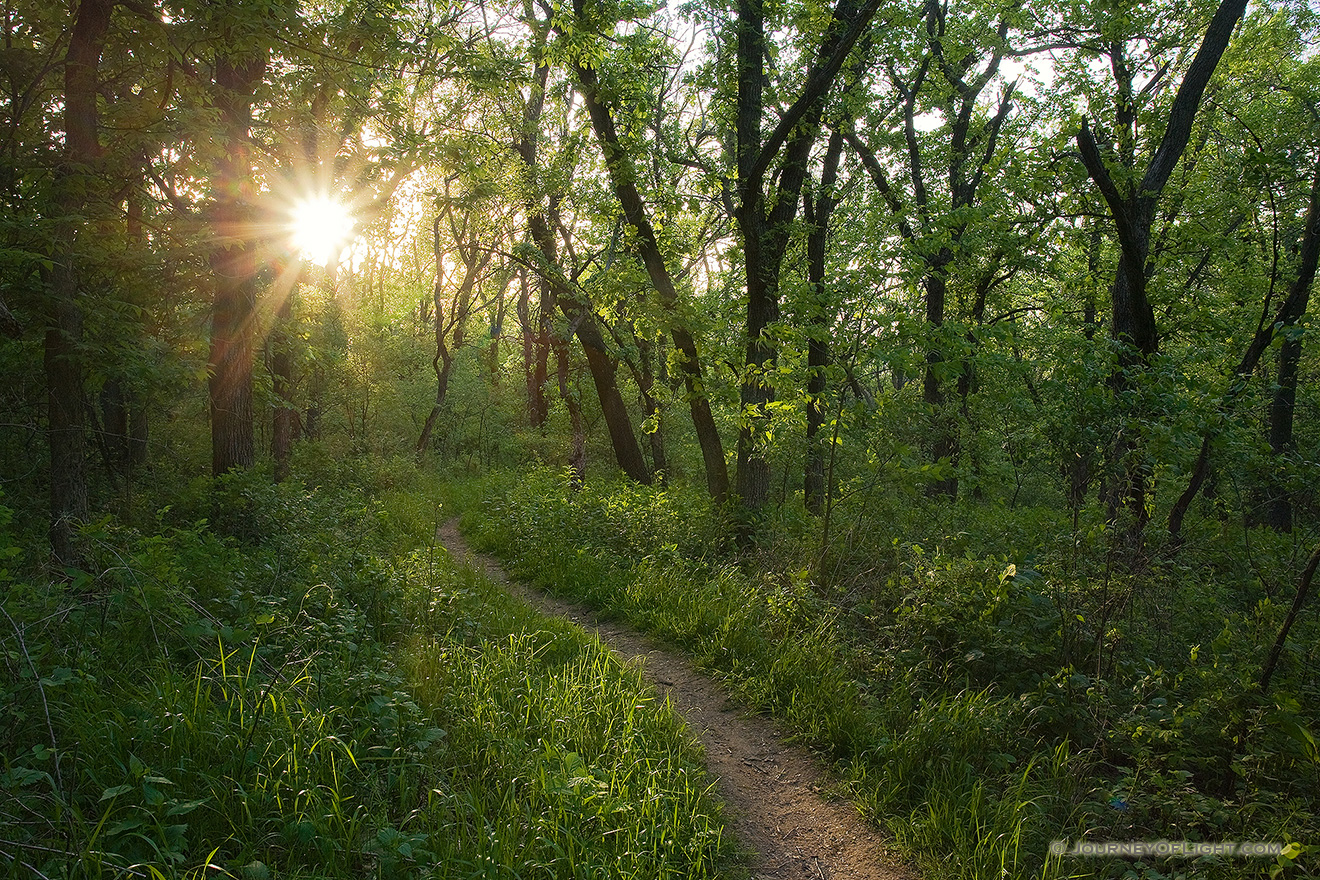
292, 681
981, 709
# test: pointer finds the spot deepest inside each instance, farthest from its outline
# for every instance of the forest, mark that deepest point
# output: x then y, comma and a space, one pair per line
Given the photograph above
938, 375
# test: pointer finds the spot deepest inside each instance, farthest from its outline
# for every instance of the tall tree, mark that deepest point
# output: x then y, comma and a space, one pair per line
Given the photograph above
239, 69
623, 177
65, 371
771, 169
1132, 196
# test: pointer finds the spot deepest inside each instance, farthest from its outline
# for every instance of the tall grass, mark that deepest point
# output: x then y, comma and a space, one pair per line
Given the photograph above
943, 690
324, 695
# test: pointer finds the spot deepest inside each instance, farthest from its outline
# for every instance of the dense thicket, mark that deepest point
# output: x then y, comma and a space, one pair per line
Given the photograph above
1010, 296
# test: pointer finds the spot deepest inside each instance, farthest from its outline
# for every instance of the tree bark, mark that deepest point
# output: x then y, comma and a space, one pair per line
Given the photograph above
577, 460
584, 324
622, 176
535, 345
234, 261
63, 357
1278, 510
1132, 209
285, 415
765, 224
817, 213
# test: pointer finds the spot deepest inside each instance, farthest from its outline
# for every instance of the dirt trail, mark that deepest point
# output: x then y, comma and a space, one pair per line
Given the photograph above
775, 791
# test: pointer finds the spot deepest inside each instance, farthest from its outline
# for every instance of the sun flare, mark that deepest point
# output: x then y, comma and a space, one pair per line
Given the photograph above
322, 228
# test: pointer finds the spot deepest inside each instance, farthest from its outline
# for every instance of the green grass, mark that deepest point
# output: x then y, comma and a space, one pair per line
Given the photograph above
326, 695
941, 689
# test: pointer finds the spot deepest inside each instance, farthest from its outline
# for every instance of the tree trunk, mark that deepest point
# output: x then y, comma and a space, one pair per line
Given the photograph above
627, 452
281, 371
583, 322
817, 212
63, 357
654, 414
1132, 206
234, 261
945, 447
496, 330
623, 176
1278, 510
577, 461
765, 224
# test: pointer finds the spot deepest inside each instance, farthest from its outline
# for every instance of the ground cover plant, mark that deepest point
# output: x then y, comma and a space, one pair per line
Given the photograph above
940, 372
327, 696
967, 701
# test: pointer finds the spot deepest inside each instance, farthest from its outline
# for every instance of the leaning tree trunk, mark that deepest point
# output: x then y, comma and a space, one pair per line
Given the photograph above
623, 177
583, 321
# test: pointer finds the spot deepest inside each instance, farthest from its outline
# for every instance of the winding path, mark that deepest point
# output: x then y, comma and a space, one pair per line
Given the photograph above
775, 792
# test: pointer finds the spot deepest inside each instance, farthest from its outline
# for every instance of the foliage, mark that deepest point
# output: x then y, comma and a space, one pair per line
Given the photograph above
328, 695
979, 707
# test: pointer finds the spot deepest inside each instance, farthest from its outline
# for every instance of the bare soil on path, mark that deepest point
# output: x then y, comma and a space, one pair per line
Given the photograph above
776, 794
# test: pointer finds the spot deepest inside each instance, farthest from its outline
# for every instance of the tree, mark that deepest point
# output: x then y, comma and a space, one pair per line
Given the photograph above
240, 66
818, 204
1132, 197
771, 170
65, 370
948, 174
451, 317
623, 177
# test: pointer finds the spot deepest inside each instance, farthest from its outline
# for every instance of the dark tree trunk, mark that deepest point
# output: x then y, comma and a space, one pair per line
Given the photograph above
817, 212
535, 344
234, 262
545, 309
577, 460
1278, 510
285, 416
1132, 205
63, 356
603, 368
766, 224
526, 146
623, 177
945, 446
497, 330
654, 414
114, 425
584, 324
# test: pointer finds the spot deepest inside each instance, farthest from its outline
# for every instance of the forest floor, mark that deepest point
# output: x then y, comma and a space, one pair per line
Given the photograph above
777, 794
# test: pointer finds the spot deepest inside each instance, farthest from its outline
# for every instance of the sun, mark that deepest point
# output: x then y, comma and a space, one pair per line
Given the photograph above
322, 227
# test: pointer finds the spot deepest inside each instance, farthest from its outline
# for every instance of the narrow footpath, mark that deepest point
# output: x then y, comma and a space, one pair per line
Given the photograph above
775, 792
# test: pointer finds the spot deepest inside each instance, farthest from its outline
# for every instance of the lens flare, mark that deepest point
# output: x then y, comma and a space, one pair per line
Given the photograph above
322, 227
